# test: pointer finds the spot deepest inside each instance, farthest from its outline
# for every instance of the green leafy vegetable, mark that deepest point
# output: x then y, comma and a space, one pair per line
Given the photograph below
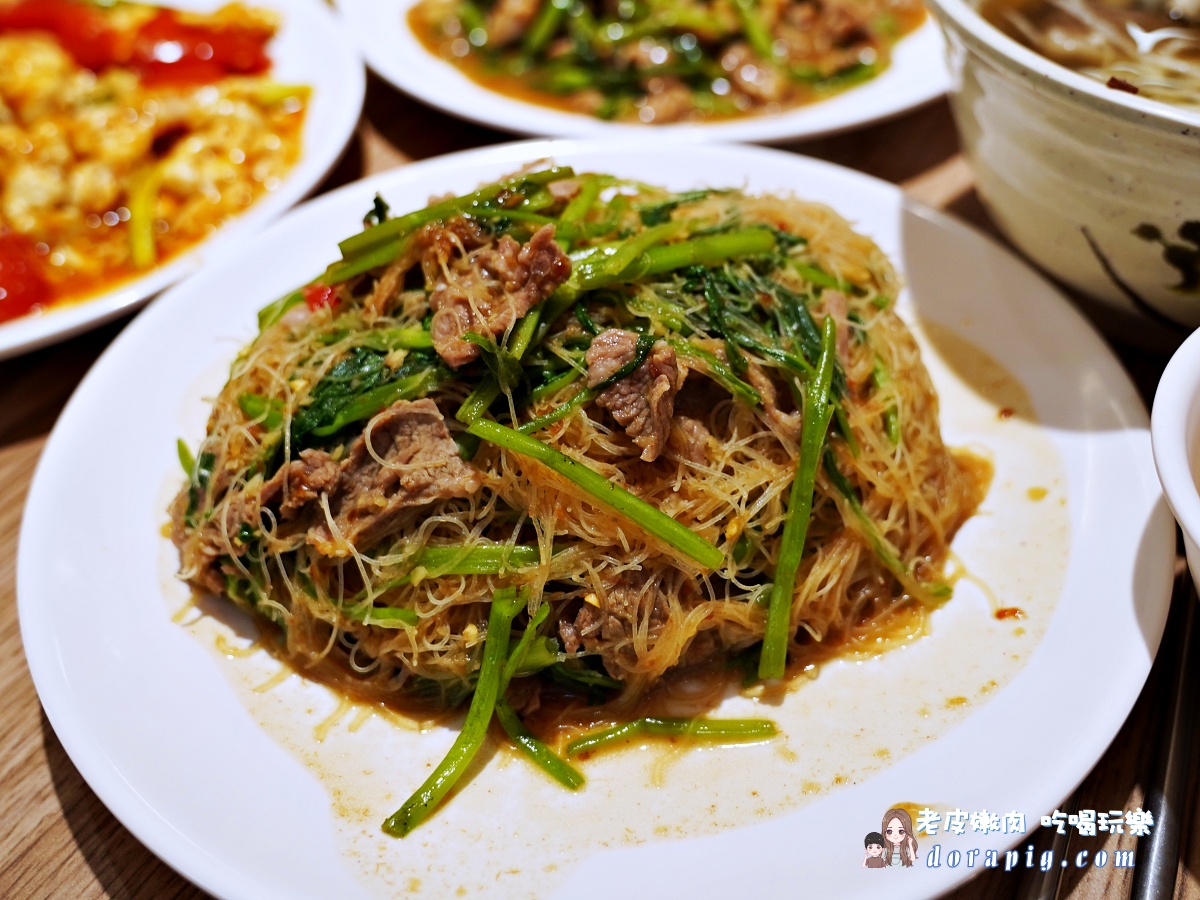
378, 214
360, 385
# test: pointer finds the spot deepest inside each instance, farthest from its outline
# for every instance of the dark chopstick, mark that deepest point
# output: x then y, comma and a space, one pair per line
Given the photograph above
1044, 885
1158, 854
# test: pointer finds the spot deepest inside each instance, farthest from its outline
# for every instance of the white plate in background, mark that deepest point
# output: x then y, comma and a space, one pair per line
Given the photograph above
232, 788
311, 47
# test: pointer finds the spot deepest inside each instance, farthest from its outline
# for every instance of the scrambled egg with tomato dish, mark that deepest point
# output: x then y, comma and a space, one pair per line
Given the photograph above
128, 134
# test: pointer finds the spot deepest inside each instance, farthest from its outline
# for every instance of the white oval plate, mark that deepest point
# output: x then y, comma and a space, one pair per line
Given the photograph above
311, 47
171, 738
917, 75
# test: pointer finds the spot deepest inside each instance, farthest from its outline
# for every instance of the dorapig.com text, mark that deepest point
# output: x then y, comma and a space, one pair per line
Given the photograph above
1028, 858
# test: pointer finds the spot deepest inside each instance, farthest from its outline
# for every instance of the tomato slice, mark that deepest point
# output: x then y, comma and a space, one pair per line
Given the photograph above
164, 50
81, 29
23, 287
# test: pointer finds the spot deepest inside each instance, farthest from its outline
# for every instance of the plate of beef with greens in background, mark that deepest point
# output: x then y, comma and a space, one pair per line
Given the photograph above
724, 71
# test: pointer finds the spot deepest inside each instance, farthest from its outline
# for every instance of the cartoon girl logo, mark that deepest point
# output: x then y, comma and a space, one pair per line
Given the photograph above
900, 847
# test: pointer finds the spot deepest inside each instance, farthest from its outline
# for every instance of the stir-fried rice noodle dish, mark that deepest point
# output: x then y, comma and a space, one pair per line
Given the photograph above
1149, 48
128, 133
644, 433
667, 60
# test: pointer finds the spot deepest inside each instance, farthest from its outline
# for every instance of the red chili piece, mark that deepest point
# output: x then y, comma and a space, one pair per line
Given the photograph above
318, 295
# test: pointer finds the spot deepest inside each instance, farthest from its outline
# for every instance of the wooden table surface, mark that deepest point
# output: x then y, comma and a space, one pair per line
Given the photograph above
59, 840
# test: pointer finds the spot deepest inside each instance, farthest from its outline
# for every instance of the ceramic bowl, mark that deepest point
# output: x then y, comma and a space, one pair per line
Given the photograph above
1098, 187
1175, 434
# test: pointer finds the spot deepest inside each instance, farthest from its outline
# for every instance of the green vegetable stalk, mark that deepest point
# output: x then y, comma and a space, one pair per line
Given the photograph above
506, 603
817, 413
616, 498
725, 730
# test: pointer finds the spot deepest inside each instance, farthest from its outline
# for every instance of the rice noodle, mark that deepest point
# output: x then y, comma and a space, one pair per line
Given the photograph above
1155, 51
620, 597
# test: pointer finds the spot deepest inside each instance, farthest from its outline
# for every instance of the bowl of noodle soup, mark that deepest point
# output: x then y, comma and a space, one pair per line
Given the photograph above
1090, 170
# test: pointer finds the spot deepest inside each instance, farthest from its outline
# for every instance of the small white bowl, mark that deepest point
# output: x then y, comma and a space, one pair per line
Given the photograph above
1076, 173
1175, 435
